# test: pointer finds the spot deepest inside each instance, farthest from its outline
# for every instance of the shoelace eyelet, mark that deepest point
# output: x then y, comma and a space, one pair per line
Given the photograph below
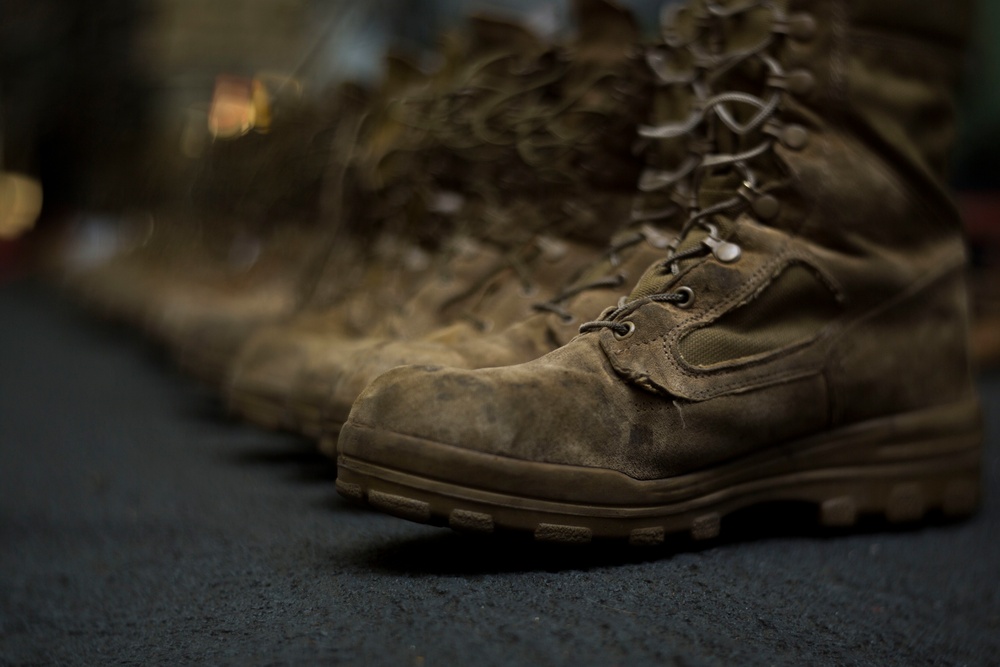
630, 329
687, 303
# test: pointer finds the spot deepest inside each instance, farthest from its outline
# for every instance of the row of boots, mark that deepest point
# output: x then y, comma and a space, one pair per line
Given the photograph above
598, 288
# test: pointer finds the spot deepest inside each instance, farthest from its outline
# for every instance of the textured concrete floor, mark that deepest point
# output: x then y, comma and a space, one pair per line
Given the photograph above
139, 526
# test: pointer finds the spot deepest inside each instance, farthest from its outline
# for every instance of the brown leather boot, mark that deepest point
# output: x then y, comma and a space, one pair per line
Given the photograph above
805, 339
550, 167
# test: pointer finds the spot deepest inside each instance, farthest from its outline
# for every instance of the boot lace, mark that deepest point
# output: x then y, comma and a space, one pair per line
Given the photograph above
712, 113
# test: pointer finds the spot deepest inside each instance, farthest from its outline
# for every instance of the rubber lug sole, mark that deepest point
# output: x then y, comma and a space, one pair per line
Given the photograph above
901, 482
841, 497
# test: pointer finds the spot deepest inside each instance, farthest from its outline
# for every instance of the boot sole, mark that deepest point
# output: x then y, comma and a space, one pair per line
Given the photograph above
900, 468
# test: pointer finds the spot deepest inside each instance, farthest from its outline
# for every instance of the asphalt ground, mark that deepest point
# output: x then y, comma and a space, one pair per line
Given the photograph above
140, 525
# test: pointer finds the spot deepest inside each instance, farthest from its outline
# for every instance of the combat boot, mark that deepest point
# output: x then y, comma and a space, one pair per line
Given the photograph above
549, 161
805, 341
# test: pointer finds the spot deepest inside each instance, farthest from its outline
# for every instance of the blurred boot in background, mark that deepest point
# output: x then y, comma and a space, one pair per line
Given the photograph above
544, 136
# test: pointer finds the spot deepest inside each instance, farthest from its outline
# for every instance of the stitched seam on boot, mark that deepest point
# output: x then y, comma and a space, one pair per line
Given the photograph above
669, 341
803, 368
707, 316
777, 350
827, 339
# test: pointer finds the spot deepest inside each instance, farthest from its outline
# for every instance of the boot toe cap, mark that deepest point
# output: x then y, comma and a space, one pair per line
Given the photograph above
530, 412
350, 378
